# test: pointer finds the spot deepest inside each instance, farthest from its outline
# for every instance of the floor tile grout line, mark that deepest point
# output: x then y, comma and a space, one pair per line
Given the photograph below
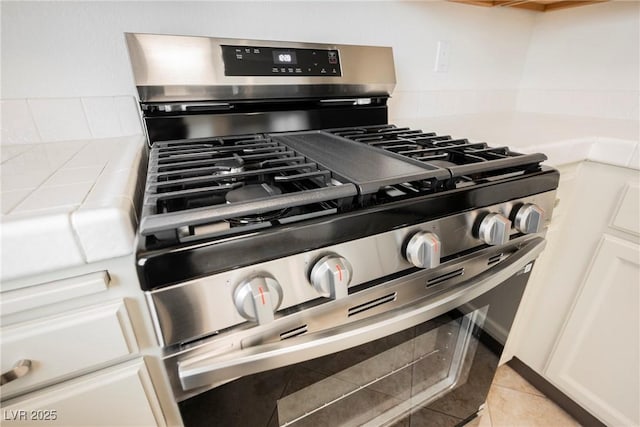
522, 394
489, 414
520, 391
546, 399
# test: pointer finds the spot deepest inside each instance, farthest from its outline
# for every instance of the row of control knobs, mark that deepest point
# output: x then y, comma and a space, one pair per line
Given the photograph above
423, 248
259, 297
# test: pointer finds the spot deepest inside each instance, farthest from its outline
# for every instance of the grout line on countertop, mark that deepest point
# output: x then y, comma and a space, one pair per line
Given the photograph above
20, 153
33, 119
47, 177
86, 117
29, 192
74, 232
118, 114
76, 237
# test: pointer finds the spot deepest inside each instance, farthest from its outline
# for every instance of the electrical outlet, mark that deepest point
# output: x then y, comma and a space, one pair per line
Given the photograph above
442, 57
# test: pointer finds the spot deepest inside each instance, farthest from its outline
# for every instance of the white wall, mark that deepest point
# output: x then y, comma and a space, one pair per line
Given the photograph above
76, 49
579, 61
53, 49
584, 62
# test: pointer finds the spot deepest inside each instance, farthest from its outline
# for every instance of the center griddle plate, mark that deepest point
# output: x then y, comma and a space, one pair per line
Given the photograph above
369, 168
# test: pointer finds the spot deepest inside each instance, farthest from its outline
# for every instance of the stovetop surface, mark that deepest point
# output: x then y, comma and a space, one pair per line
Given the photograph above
212, 187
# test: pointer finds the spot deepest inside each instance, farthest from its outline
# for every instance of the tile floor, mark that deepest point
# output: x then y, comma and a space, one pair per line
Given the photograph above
513, 402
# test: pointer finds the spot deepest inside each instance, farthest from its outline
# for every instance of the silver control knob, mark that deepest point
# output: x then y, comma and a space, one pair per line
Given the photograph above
529, 219
494, 229
257, 298
330, 276
423, 250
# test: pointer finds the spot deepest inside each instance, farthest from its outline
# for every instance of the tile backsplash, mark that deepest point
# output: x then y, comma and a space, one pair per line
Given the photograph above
437, 103
622, 104
61, 119
37, 120
609, 104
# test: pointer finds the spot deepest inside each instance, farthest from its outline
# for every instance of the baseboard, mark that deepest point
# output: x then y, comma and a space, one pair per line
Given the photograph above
558, 397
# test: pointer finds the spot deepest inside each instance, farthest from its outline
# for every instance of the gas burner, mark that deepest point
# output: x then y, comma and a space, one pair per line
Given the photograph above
230, 165
252, 192
258, 219
237, 180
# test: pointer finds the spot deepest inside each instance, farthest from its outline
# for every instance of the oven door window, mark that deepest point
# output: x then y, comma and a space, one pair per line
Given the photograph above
418, 376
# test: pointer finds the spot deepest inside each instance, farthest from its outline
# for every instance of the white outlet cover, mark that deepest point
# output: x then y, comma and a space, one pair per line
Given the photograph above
443, 52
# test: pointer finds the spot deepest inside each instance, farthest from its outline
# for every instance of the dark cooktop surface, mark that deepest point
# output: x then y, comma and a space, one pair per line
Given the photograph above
209, 187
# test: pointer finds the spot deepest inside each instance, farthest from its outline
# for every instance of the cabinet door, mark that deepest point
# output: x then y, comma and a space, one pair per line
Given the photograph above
66, 344
596, 358
118, 396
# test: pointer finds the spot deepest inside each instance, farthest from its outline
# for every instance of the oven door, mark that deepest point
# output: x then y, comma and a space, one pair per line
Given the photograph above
430, 362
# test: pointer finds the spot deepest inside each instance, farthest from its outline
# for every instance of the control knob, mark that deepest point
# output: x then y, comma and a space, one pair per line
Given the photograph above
330, 276
494, 229
423, 250
257, 298
529, 219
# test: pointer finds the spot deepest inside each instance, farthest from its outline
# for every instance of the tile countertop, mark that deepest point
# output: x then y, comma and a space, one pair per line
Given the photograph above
68, 203
564, 139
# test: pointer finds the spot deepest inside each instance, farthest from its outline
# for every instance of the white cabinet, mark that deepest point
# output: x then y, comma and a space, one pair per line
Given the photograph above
552, 286
66, 344
31, 297
119, 396
87, 334
579, 326
596, 359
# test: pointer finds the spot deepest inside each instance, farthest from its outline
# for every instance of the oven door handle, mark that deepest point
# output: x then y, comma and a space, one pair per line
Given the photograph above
203, 371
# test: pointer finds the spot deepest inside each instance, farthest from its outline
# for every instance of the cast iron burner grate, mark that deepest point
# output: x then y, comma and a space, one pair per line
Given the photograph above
212, 185
469, 163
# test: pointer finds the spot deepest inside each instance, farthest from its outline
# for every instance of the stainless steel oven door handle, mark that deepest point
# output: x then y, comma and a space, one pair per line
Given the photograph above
202, 371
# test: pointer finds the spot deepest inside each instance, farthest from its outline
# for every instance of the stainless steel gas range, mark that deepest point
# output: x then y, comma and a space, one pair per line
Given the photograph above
307, 263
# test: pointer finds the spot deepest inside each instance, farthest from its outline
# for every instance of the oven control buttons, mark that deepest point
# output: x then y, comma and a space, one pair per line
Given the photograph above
423, 250
330, 276
494, 229
257, 298
529, 219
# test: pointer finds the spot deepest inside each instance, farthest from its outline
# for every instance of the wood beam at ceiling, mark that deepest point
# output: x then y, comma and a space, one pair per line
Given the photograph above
570, 3
537, 5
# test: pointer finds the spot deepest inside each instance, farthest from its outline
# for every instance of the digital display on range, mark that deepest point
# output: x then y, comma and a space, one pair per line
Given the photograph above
284, 57
280, 61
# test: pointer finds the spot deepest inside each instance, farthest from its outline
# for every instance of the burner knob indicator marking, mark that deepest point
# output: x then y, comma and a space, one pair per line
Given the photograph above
257, 298
494, 229
529, 219
330, 276
423, 250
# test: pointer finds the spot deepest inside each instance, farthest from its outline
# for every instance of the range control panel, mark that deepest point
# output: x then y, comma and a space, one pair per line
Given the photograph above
277, 61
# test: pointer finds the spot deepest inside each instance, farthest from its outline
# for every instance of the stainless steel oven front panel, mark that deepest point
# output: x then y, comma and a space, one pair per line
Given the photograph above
338, 325
203, 306
170, 68
434, 373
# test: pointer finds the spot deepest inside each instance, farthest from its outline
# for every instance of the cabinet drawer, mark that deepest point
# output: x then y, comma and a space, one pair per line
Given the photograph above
122, 395
48, 293
61, 345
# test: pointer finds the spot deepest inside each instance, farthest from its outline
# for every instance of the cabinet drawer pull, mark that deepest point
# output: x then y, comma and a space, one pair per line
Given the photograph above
20, 369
